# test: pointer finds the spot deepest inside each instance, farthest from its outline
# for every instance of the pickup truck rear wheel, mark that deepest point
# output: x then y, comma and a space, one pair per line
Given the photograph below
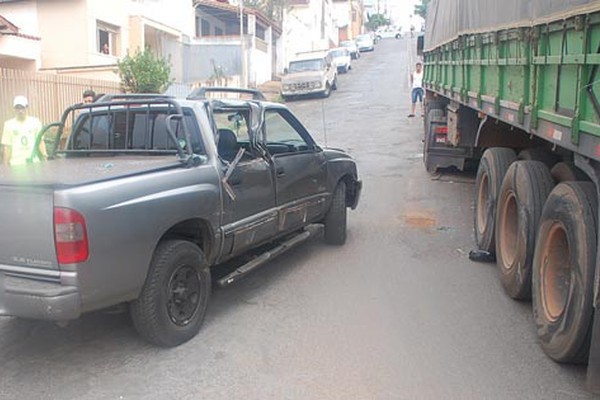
563, 271
173, 301
492, 167
336, 218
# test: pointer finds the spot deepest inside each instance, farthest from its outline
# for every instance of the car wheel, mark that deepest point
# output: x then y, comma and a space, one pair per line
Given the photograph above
173, 301
327, 91
336, 218
398, 36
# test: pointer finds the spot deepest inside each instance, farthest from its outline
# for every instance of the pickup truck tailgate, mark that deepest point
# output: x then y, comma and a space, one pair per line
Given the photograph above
27, 234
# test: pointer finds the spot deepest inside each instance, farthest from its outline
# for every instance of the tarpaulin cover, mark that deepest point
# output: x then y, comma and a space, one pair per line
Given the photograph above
448, 19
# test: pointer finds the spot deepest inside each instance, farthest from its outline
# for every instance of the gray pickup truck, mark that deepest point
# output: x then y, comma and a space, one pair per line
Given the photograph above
142, 195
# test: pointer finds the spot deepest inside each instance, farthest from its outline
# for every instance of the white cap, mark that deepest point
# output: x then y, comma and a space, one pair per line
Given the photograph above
20, 101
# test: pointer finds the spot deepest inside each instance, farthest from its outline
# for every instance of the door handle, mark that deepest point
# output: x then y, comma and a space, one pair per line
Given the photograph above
280, 171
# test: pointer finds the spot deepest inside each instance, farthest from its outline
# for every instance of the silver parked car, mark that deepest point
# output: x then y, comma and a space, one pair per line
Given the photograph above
365, 42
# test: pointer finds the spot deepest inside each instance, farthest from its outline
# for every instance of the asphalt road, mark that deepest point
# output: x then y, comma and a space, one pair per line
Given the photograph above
399, 312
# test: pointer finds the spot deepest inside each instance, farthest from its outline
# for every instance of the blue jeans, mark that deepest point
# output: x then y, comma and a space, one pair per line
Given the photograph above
417, 94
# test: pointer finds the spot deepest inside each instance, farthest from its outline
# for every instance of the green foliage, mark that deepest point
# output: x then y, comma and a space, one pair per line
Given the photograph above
272, 9
375, 21
421, 9
144, 73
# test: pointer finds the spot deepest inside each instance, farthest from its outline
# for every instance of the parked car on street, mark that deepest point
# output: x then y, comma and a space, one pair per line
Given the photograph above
309, 73
341, 59
388, 32
146, 194
365, 42
352, 47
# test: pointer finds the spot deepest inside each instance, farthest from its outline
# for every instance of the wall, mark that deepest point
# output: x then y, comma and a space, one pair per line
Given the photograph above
48, 94
302, 28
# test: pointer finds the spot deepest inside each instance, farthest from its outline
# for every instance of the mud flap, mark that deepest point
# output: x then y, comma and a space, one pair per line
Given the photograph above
593, 371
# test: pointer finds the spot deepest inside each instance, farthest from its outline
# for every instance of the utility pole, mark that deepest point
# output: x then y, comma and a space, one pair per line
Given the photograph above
242, 46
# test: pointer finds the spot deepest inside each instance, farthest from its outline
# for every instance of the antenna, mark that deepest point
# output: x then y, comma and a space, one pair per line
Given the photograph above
323, 121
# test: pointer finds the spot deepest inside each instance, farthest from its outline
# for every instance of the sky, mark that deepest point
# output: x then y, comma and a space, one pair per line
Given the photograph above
400, 12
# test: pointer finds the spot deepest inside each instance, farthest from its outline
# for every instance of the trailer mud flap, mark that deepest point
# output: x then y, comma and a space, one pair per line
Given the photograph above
593, 371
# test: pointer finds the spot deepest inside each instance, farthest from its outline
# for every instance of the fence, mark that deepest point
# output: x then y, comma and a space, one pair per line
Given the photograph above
48, 94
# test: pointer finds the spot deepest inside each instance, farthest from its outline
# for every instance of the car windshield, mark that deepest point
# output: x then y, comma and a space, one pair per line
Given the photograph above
363, 37
347, 44
339, 53
307, 65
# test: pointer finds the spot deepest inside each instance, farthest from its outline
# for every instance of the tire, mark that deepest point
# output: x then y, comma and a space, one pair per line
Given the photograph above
161, 314
327, 91
398, 36
567, 171
334, 85
538, 154
336, 218
563, 271
524, 190
492, 167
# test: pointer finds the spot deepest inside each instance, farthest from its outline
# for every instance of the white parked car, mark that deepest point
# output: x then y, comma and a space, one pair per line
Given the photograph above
388, 32
341, 59
352, 47
309, 73
365, 42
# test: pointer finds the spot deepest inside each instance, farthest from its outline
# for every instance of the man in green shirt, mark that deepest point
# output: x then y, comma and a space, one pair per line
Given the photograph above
19, 134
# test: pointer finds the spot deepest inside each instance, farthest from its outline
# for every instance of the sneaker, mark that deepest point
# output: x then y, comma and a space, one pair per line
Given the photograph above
411, 115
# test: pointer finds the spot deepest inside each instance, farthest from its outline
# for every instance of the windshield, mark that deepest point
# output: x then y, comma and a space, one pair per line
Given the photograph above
363, 37
347, 44
339, 53
307, 65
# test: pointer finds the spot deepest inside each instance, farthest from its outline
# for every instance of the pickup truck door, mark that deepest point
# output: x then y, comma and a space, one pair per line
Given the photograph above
299, 170
250, 216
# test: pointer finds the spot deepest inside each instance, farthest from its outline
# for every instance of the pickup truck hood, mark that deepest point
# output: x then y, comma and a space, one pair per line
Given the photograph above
303, 77
81, 171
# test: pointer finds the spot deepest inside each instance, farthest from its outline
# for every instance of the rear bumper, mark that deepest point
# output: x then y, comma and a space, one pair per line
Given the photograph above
28, 298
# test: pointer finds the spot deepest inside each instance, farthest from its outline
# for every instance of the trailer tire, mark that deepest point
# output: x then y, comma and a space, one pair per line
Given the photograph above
336, 218
524, 190
173, 301
566, 172
494, 164
538, 154
563, 271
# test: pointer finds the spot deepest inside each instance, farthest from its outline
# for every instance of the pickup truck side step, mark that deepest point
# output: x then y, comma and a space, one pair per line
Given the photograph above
268, 255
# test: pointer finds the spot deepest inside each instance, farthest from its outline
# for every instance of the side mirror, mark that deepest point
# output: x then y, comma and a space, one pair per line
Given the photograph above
285, 71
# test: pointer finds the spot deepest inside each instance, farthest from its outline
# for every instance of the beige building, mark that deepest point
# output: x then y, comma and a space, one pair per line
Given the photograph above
88, 37
20, 44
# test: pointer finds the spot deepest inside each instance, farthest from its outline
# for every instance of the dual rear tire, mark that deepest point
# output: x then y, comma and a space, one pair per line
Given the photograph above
544, 237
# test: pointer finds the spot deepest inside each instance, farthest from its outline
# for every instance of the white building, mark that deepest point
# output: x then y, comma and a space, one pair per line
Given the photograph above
307, 25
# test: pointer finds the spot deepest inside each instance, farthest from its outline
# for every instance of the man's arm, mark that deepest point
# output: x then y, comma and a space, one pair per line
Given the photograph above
412, 80
6, 142
6, 154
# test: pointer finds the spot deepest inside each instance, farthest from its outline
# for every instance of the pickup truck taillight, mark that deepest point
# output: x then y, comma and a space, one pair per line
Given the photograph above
70, 236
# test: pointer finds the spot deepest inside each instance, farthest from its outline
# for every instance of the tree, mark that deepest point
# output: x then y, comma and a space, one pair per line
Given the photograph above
376, 20
272, 9
144, 72
421, 9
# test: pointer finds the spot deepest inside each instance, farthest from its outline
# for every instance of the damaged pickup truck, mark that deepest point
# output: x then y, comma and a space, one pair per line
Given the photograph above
143, 195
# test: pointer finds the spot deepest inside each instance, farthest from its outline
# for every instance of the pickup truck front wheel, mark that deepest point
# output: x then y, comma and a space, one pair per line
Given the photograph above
173, 301
335, 220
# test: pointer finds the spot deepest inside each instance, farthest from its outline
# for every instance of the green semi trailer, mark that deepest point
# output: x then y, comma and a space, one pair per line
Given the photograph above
514, 87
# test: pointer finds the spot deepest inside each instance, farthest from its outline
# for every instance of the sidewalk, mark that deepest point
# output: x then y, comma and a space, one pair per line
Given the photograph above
271, 90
